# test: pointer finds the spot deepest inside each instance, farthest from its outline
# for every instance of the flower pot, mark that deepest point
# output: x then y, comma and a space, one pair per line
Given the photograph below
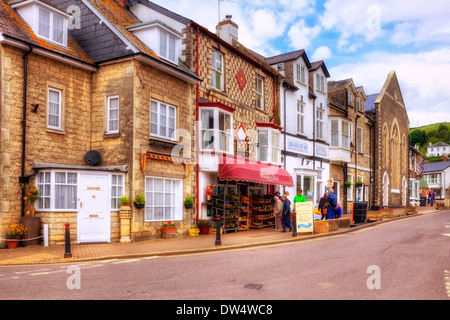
12, 243
33, 225
139, 205
204, 229
168, 232
188, 206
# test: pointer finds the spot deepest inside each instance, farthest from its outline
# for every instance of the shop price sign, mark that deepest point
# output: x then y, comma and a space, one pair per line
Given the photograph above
305, 216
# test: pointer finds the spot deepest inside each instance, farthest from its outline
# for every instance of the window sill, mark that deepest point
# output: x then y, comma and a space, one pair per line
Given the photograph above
57, 131
111, 135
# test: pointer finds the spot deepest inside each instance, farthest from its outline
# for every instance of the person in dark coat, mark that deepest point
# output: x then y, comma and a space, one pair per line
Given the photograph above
286, 214
323, 205
332, 203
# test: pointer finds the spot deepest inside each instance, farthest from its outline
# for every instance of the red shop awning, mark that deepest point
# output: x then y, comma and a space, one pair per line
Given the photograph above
251, 171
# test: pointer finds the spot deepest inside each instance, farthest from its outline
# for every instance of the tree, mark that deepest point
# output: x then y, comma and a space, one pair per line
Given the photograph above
418, 137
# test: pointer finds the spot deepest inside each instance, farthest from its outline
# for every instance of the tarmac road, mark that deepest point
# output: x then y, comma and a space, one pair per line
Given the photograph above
406, 259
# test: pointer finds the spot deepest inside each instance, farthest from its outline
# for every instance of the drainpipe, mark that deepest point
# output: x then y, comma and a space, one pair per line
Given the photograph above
284, 138
356, 153
197, 119
23, 178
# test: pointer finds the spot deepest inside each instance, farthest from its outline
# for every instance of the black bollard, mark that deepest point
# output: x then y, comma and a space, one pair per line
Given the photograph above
218, 241
68, 253
294, 224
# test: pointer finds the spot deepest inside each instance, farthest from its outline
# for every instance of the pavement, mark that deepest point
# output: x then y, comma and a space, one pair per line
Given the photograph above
54, 254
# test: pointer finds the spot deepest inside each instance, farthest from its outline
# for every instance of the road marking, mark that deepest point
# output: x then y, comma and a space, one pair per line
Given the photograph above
126, 261
446, 234
447, 281
48, 272
29, 271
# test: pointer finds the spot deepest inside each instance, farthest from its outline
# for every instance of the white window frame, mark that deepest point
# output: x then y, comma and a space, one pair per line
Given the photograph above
216, 132
300, 73
359, 139
109, 116
273, 154
175, 193
217, 70
359, 190
51, 26
350, 98
165, 50
59, 103
44, 188
259, 93
350, 189
346, 138
117, 190
300, 117
319, 124
359, 104
158, 121
52, 196
320, 83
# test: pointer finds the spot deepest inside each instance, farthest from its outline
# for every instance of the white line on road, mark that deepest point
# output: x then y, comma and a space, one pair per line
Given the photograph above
126, 261
44, 273
29, 271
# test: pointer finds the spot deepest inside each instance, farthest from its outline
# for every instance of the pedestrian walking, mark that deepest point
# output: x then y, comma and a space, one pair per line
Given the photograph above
331, 204
431, 198
323, 206
277, 211
286, 213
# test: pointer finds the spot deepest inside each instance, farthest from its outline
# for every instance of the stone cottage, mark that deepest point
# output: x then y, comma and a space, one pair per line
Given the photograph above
92, 106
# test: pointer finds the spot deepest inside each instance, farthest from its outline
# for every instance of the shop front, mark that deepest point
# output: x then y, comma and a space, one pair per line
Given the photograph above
239, 191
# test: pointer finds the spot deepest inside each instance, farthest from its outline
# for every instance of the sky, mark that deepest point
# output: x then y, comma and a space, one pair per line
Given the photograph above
359, 39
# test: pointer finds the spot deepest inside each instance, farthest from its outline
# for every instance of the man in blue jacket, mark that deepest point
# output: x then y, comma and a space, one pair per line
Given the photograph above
286, 214
332, 203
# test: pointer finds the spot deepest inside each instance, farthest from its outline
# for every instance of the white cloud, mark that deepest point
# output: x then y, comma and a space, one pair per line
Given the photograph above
300, 35
423, 80
322, 53
362, 21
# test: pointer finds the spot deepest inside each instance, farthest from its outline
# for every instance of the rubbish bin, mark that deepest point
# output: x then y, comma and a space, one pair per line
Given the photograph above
423, 201
360, 212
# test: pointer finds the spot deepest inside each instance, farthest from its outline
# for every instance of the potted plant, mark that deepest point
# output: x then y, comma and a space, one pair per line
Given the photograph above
14, 234
30, 221
124, 201
204, 226
168, 230
359, 184
347, 184
139, 201
188, 202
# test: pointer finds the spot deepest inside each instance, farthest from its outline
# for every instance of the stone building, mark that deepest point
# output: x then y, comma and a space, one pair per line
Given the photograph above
351, 148
102, 109
390, 145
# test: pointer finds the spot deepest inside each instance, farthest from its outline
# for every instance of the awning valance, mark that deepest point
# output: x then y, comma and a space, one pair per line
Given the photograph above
238, 169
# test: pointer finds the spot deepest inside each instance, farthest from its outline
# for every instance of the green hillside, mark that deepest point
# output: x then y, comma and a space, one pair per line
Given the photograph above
437, 132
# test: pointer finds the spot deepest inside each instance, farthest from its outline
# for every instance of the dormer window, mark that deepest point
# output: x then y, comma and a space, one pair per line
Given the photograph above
46, 21
163, 40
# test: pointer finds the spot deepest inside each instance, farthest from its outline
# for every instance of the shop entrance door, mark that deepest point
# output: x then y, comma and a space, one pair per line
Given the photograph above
306, 183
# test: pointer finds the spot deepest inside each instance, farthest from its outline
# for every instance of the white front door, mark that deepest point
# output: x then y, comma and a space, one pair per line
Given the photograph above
94, 215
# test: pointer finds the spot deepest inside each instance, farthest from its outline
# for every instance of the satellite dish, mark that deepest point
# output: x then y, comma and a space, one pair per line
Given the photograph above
92, 157
131, 3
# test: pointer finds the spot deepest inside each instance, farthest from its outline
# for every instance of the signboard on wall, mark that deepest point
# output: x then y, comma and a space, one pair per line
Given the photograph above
305, 216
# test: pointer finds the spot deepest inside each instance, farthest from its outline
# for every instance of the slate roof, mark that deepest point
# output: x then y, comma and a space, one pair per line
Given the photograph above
320, 64
439, 144
370, 102
436, 166
14, 27
334, 85
289, 57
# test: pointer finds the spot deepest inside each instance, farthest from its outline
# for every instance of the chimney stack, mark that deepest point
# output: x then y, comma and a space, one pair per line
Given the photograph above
227, 30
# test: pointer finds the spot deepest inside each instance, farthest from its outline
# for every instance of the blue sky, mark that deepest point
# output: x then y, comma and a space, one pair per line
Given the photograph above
359, 39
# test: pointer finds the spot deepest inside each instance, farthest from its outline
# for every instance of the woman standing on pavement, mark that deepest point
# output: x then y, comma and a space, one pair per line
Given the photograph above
277, 210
